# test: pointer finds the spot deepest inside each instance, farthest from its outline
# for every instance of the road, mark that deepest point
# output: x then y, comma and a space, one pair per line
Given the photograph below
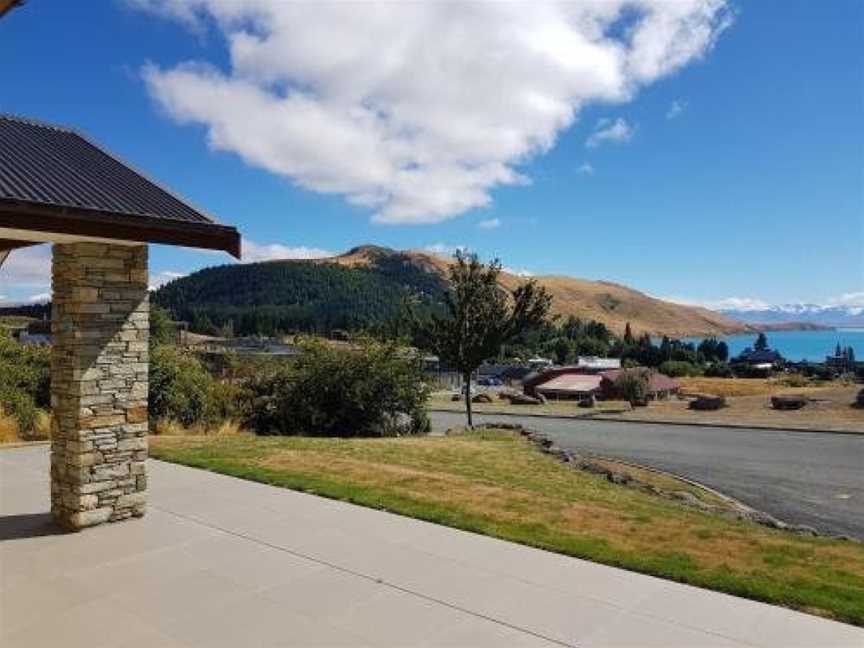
808, 478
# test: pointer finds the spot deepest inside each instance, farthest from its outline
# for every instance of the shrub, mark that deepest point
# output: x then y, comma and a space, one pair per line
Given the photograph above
719, 370
678, 368
183, 390
632, 385
370, 389
25, 381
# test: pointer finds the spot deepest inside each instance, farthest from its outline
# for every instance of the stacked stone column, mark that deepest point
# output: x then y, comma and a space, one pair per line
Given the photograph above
100, 331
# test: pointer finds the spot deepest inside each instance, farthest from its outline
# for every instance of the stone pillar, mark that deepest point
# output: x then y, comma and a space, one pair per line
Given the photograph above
100, 330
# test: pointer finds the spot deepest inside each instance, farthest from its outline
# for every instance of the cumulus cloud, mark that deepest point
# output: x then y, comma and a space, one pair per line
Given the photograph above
254, 252
676, 109
850, 300
27, 268
519, 272
618, 131
416, 110
585, 169
726, 303
445, 249
489, 223
159, 279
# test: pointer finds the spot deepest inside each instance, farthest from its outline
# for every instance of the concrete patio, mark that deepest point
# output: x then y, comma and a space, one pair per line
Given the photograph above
223, 562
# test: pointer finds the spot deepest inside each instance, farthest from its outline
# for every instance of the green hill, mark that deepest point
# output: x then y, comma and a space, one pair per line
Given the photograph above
302, 296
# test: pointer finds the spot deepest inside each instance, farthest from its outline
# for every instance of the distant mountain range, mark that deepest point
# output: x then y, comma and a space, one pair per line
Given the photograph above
812, 314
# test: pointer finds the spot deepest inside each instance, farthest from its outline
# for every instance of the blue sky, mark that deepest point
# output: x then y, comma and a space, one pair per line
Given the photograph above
735, 172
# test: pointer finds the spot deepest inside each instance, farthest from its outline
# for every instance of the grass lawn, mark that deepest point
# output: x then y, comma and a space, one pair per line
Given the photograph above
497, 484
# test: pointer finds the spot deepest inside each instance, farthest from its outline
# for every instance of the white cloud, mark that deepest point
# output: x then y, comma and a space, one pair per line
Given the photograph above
852, 300
444, 249
610, 131
254, 252
39, 298
585, 169
416, 110
726, 303
159, 279
519, 272
27, 268
489, 223
676, 109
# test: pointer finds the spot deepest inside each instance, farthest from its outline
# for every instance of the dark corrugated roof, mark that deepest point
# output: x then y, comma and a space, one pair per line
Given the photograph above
48, 165
53, 179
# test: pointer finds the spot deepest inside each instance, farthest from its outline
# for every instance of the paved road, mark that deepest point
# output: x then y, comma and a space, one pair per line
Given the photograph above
799, 477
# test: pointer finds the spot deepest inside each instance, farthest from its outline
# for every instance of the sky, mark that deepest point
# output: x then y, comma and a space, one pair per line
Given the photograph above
705, 151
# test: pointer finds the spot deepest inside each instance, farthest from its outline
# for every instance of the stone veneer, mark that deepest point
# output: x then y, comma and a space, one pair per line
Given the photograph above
100, 330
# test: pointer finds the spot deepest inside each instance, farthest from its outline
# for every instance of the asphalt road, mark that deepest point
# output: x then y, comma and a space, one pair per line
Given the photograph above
808, 478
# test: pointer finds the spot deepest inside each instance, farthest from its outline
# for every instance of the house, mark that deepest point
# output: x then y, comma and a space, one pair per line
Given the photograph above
660, 386
759, 358
572, 386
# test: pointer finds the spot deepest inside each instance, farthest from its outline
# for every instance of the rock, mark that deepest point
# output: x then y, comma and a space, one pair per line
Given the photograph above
859, 400
788, 402
707, 402
523, 399
619, 477
456, 398
481, 398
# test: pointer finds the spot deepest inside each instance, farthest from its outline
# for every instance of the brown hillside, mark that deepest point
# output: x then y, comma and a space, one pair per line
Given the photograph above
606, 302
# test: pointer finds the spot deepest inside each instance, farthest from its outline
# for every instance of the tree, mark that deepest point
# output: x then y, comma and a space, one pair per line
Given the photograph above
722, 351
628, 335
479, 317
632, 385
761, 343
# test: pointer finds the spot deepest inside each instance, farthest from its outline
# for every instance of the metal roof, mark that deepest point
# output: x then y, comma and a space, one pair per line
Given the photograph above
575, 383
51, 171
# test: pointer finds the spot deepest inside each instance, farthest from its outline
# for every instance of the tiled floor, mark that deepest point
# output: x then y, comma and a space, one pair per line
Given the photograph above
222, 562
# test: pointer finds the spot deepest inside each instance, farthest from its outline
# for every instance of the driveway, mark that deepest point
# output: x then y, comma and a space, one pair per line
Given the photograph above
219, 561
799, 477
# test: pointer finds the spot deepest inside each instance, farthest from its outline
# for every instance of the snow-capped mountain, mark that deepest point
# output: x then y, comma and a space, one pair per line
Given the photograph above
838, 316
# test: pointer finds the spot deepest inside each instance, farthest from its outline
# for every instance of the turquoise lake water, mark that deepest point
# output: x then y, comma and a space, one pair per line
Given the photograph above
800, 345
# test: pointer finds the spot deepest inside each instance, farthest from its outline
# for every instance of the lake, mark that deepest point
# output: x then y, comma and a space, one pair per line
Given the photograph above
799, 345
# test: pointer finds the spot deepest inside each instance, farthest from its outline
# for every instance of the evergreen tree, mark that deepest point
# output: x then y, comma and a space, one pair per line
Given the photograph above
761, 343
628, 335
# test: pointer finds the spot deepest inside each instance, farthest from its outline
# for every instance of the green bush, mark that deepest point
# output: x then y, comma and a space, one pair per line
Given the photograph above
632, 385
369, 389
25, 380
719, 370
182, 389
678, 368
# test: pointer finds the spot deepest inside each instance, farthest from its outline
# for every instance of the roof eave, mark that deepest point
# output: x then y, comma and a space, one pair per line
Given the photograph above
122, 227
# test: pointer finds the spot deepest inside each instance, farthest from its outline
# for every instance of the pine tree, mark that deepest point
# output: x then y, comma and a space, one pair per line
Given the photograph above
628, 335
761, 343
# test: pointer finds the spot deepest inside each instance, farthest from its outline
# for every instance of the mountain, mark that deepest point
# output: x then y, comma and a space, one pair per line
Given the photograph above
825, 316
366, 287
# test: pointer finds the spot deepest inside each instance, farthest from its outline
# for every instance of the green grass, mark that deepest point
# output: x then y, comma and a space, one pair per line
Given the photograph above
496, 484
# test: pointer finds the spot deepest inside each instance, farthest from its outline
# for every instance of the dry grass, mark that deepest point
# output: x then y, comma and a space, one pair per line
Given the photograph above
496, 483
830, 409
8, 429
172, 428
744, 386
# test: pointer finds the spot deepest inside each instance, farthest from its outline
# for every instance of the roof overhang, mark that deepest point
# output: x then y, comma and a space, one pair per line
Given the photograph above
40, 224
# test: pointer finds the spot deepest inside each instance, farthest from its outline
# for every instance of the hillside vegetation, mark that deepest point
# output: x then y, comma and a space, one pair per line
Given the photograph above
366, 289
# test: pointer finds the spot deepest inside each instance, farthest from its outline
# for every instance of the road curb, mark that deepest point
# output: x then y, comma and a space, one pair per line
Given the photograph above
609, 419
